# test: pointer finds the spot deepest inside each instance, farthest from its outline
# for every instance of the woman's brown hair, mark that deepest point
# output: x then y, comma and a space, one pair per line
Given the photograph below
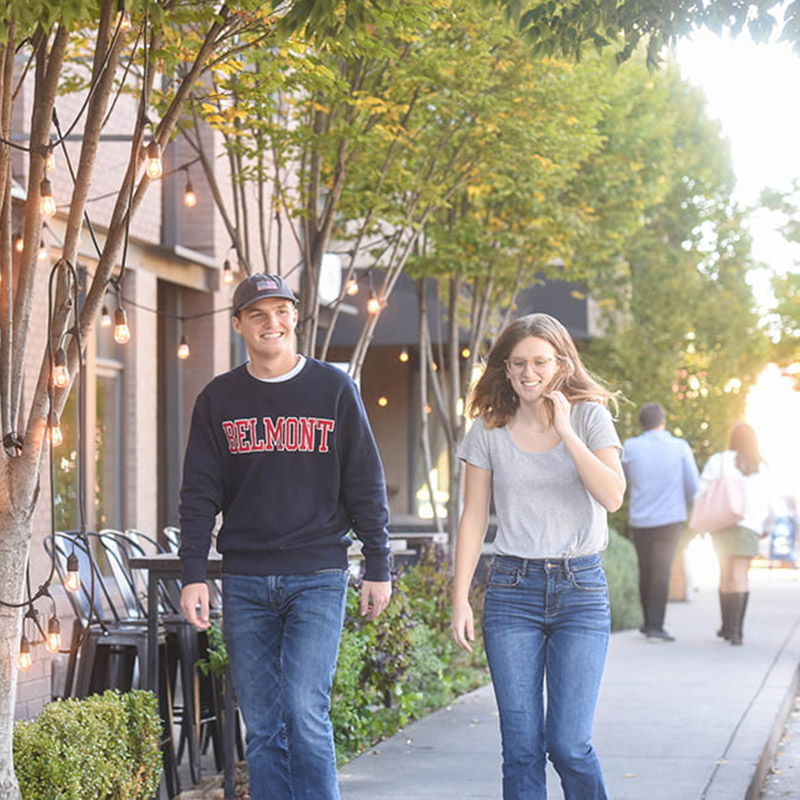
744, 443
493, 398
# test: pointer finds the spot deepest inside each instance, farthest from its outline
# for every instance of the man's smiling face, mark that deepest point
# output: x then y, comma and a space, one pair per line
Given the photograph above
267, 327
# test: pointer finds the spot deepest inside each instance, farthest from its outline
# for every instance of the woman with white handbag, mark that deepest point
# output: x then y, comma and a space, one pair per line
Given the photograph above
739, 470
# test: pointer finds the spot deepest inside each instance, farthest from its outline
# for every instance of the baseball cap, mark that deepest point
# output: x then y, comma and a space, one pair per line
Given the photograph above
258, 286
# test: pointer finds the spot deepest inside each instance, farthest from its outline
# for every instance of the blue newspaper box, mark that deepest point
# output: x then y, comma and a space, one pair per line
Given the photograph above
783, 540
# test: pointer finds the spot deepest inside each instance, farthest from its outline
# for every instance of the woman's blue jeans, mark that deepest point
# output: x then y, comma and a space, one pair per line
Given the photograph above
282, 633
547, 619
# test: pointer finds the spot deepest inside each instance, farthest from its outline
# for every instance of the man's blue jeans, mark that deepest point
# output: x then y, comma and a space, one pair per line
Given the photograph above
282, 633
547, 619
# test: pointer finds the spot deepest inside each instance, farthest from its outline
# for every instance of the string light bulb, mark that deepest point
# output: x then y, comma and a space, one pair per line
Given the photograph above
25, 659
466, 352
189, 195
19, 243
155, 167
105, 317
373, 304
124, 17
227, 272
351, 287
56, 434
48, 201
383, 401
50, 161
60, 371
72, 581
122, 333
403, 355
42, 254
54, 634
183, 348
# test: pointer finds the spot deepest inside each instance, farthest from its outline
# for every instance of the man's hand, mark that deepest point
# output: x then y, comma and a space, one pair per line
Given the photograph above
374, 598
194, 603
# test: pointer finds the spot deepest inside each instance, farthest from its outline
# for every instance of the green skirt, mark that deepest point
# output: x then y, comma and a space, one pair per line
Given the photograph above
735, 541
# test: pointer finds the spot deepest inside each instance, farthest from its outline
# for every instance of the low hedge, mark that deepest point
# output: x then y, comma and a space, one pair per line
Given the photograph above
105, 747
622, 574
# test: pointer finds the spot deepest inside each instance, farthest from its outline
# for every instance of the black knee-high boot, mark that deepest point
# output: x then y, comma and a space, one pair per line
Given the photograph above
725, 609
737, 616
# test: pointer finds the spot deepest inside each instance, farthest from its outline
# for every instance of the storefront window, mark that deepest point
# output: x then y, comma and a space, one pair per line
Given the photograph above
65, 460
107, 447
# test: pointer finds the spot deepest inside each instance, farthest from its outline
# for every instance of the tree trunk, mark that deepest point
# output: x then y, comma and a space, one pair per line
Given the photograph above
14, 543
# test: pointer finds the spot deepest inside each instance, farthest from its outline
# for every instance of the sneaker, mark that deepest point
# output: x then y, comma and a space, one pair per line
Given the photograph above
661, 635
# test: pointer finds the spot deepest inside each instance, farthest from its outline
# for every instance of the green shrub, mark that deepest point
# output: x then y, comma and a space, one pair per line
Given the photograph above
217, 661
622, 573
105, 747
402, 665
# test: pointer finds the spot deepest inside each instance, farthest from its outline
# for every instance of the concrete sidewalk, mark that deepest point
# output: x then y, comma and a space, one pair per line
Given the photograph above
694, 719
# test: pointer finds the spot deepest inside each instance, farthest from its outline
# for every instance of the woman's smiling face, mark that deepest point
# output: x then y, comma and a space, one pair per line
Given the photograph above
531, 366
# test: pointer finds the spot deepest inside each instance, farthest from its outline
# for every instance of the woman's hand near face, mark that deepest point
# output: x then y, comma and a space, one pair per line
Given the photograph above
561, 413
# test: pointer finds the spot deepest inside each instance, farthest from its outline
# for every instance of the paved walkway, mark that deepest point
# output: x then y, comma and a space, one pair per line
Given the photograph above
695, 719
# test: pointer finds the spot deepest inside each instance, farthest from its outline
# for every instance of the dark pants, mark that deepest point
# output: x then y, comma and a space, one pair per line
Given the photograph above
656, 548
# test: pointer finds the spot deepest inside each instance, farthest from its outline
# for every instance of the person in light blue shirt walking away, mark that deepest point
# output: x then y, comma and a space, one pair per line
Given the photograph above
662, 476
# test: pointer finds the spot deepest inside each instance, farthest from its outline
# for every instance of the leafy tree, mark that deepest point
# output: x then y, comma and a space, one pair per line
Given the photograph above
786, 287
509, 223
311, 114
363, 141
570, 27
83, 46
787, 307
481, 156
681, 328
644, 220
603, 152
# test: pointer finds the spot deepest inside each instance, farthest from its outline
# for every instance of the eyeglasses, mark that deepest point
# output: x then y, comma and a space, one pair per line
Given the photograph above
516, 366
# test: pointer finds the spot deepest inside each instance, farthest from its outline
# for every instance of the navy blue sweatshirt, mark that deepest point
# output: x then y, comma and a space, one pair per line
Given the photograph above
293, 467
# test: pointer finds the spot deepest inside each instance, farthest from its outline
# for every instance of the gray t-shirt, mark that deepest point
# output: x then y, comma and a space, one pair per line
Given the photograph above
543, 509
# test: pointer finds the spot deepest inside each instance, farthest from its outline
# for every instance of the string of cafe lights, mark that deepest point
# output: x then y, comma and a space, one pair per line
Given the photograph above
154, 170
59, 380
33, 633
374, 305
60, 377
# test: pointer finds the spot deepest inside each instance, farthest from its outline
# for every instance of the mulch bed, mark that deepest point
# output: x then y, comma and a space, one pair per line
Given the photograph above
213, 788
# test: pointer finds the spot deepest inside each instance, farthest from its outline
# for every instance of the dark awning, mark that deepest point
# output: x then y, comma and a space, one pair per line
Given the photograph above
399, 322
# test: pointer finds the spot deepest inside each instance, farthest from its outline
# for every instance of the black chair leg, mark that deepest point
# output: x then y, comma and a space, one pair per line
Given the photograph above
190, 722
173, 783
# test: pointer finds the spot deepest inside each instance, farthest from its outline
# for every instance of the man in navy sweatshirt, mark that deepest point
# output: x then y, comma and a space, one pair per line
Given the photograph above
283, 448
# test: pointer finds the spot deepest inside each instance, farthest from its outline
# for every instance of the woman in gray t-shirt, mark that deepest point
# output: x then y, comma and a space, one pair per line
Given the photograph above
544, 446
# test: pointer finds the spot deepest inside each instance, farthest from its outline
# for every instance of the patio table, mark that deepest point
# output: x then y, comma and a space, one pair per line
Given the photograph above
164, 566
